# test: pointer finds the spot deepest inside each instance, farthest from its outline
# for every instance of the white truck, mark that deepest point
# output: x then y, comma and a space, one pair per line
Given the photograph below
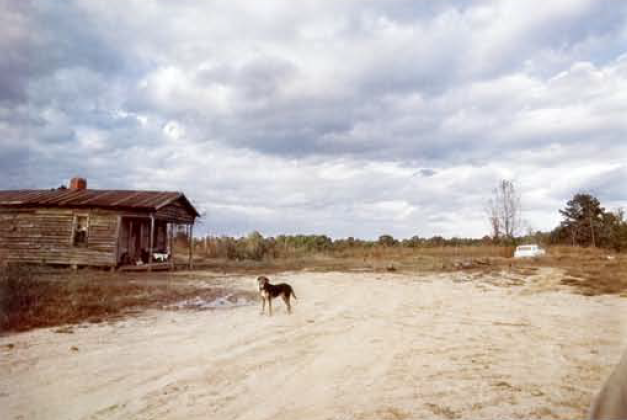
528, 251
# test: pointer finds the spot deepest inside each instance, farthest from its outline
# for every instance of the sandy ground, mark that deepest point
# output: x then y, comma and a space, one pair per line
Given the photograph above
359, 346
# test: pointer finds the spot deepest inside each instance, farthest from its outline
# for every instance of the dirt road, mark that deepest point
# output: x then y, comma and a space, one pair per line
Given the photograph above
359, 346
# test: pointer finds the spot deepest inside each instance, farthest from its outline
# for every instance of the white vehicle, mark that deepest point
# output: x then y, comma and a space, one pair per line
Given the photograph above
527, 251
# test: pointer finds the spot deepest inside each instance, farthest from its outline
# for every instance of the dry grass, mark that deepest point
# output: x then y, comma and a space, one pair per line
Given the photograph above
365, 259
592, 271
32, 298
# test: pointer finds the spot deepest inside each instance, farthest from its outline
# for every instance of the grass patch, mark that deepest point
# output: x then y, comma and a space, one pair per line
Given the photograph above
591, 271
432, 259
30, 298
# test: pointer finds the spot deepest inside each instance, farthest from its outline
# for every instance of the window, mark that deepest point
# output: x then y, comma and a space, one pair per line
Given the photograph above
81, 226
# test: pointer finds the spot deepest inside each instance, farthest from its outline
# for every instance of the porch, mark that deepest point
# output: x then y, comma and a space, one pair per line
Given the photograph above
147, 243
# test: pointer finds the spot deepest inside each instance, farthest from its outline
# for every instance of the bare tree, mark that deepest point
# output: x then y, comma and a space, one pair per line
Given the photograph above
493, 218
504, 211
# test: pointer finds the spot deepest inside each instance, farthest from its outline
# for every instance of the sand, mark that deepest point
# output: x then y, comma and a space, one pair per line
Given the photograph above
358, 346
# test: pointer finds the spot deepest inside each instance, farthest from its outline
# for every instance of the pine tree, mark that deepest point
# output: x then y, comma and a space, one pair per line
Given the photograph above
583, 220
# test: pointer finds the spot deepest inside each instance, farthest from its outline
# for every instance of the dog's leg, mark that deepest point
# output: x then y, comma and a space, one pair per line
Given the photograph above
270, 305
286, 299
263, 305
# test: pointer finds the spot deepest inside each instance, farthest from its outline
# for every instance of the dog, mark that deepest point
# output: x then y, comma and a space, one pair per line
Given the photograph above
270, 291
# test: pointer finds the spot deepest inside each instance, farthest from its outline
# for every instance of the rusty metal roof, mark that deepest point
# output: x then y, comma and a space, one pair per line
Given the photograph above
111, 199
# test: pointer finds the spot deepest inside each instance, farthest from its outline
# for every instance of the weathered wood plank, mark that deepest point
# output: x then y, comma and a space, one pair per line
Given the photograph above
45, 236
175, 212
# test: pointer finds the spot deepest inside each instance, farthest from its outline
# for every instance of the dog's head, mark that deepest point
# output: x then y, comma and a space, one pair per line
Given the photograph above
262, 281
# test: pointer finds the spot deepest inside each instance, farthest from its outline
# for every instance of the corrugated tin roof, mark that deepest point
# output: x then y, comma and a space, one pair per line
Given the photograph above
112, 199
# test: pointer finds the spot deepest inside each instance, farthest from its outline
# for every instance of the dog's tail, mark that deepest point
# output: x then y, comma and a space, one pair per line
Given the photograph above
292, 292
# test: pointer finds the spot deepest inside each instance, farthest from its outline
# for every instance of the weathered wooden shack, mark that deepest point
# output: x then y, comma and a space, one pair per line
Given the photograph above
77, 226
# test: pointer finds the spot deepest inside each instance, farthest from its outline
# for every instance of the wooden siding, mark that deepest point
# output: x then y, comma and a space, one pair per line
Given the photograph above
175, 212
45, 236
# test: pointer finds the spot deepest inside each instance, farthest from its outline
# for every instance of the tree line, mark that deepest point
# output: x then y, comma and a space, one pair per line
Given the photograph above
255, 246
584, 223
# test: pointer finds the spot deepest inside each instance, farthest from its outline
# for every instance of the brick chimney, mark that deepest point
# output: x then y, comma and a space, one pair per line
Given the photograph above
77, 183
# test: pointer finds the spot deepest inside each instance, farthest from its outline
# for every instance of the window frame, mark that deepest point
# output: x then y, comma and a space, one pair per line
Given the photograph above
84, 244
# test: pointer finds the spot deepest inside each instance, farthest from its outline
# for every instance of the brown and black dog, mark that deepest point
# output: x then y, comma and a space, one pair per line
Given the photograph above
270, 291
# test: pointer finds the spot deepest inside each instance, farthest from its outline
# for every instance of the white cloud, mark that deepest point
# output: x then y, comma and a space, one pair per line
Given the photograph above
174, 130
345, 118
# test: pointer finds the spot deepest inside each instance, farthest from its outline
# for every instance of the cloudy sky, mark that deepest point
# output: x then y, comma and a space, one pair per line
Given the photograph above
349, 118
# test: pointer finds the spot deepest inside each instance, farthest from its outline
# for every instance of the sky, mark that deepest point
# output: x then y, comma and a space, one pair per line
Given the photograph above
345, 118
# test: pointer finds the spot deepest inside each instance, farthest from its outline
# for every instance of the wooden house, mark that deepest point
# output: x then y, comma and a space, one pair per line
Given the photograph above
77, 226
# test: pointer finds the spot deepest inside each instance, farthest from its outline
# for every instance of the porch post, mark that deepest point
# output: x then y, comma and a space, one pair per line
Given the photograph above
130, 245
118, 239
152, 240
191, 245
170, 230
